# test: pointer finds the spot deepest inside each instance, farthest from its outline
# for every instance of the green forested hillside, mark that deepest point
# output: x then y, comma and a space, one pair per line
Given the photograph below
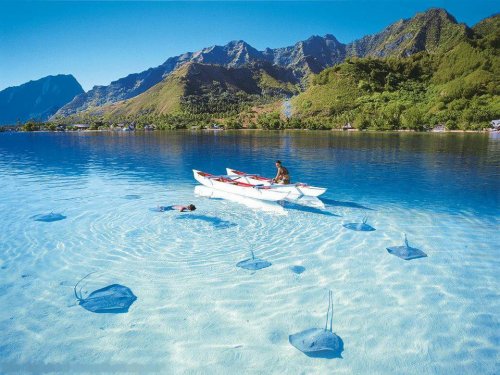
198, 94
416, 73
428, 31
458, 87
489, 28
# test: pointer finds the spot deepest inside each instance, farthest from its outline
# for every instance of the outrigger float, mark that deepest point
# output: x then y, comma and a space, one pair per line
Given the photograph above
227, 184
298, 189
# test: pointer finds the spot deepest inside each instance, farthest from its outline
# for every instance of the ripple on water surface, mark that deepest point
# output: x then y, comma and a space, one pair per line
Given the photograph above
196, 311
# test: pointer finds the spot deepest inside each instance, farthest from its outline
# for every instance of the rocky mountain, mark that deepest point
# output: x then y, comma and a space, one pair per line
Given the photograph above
429, 31
207, 88
488, 30
38, 99
311, 55
233, 54
457, 85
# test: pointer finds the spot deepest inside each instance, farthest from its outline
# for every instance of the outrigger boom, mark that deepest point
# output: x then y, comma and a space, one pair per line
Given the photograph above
295, 190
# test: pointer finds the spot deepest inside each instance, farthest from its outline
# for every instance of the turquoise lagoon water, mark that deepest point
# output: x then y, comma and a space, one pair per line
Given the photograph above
196, 312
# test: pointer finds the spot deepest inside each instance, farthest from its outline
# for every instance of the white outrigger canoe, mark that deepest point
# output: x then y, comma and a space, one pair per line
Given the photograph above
229, 185
297, 189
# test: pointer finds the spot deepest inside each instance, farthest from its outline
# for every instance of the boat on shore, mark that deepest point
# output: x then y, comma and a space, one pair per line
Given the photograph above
298, 189
229, 185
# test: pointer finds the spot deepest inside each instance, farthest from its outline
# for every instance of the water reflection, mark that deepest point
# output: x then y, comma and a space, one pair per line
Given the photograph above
334, 203
458, 170
205, 191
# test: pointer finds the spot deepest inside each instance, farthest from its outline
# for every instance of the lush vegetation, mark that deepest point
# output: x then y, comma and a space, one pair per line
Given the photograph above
454, 83
458, 88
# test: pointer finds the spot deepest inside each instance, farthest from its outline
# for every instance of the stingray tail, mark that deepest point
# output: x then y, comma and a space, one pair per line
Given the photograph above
74, 289
253, 256
406, 241
331, 315
365, 219
328, 311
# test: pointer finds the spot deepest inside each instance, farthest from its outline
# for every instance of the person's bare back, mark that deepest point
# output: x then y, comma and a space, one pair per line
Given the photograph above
282, 177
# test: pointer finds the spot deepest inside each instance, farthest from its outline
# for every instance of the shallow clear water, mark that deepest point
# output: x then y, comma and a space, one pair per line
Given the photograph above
196, 312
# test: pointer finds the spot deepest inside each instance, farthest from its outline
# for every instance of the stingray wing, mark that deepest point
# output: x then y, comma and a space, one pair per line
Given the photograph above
253, 264
49, 217
406, 252
359, 227
297, 269
111, 299
316, 340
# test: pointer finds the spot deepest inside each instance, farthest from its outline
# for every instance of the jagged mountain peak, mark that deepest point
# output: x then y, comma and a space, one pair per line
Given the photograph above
436, 13
312, 38
49, 78
321, 39
234, 53
230, 46
315, 53
428, 31
239, 43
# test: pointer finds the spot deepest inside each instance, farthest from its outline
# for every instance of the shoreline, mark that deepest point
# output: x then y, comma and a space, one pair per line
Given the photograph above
7, 129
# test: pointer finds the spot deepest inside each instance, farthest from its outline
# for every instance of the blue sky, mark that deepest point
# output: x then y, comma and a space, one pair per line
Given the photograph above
99, 42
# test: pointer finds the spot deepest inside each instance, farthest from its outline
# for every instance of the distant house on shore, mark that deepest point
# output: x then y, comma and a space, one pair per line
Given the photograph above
347, 126
81, 126
439, 128
215, 126
495, 124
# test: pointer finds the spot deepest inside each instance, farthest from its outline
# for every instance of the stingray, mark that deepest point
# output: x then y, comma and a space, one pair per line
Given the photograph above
131, 196
112, 299
406, 252
297, 269
253, 263
48, 218
319, 342
360, 227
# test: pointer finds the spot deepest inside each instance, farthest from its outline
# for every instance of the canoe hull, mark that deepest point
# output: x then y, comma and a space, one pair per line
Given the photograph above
293, 189
240, 188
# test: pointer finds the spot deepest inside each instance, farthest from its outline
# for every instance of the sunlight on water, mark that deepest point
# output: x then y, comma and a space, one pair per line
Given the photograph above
196, 312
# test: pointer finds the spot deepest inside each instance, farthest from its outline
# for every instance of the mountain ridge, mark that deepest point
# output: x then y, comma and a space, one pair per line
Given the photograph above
312, 55
37, 99
423, 32
206, 88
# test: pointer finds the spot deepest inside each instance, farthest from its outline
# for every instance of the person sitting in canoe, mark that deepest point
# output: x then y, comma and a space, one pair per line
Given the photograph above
178, 207
282, 177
